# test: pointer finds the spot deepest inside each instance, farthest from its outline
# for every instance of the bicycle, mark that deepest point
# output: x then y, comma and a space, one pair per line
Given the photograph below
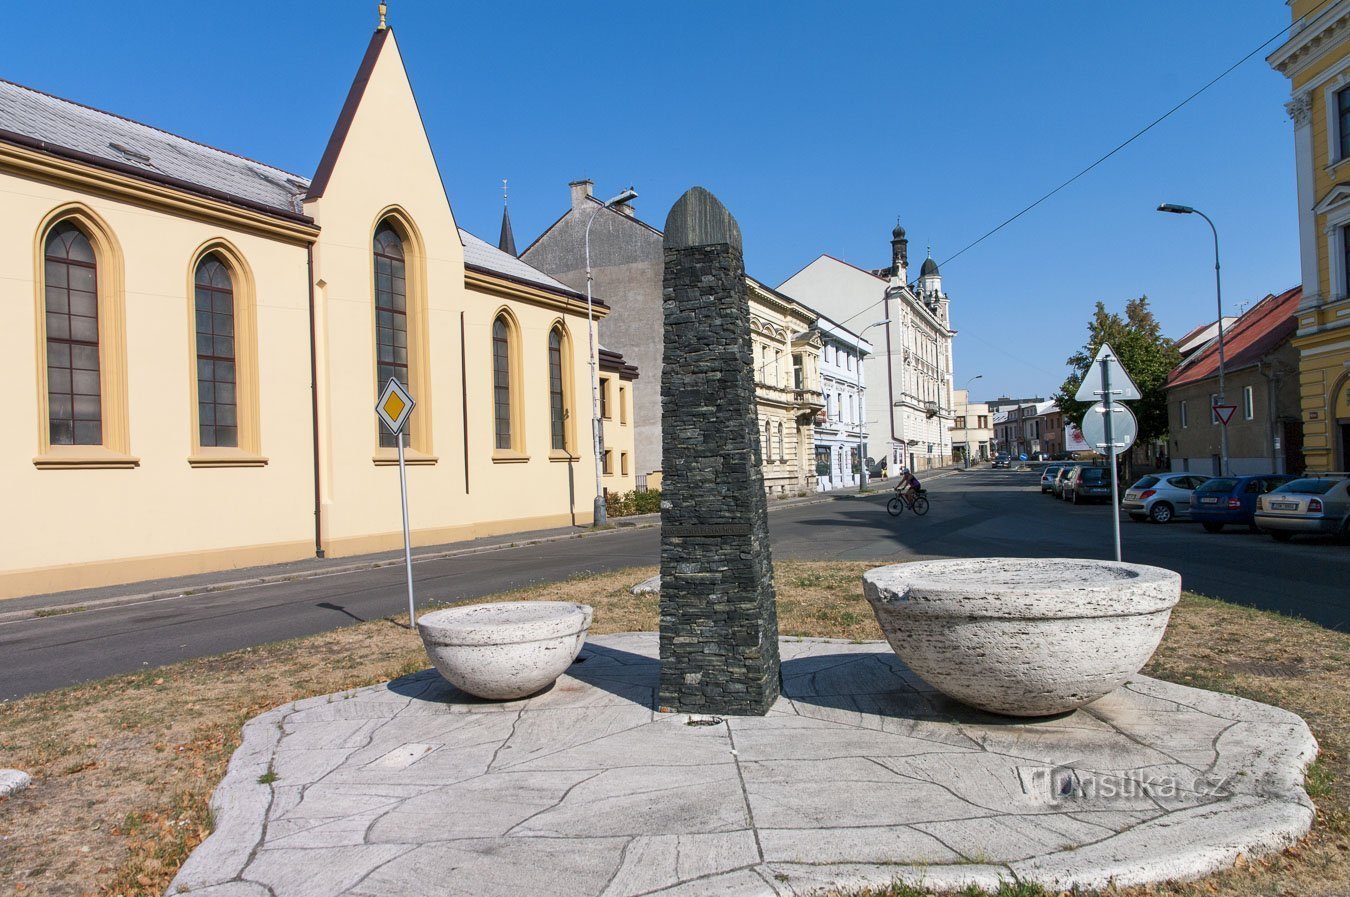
918, 504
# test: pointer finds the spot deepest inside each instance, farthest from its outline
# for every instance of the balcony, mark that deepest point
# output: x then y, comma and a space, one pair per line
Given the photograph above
808, 400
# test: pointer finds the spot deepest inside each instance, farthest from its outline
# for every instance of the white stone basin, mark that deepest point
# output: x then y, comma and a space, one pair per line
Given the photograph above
508, 650
1023, 636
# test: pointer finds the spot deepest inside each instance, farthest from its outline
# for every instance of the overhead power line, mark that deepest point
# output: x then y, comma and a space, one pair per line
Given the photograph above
1131, 139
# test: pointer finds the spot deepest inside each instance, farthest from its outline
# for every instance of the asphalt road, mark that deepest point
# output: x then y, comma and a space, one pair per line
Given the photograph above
982, 513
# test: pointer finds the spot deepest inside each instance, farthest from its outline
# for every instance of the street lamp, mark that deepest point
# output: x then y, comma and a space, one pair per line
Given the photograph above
598, 517
862, 411
965, 418
1176, 209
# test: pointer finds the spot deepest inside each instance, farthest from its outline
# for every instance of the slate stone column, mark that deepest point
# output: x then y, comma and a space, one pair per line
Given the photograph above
719, 620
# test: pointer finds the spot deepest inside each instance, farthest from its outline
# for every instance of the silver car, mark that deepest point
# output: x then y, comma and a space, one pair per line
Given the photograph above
1309, 505
1048, 478
1160, 497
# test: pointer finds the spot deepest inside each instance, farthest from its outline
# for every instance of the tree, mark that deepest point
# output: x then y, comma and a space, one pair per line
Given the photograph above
1144, 352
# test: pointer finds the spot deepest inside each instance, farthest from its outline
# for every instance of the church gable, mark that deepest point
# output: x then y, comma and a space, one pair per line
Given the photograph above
378, 155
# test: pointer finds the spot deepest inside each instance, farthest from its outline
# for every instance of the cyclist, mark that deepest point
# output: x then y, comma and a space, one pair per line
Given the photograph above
908, 487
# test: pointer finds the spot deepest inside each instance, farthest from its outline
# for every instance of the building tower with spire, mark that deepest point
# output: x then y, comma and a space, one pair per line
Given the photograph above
909, 379
507, 241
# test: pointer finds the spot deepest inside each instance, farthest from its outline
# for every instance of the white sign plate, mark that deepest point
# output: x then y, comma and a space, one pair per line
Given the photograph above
1124, 427
1122, 387
394, 405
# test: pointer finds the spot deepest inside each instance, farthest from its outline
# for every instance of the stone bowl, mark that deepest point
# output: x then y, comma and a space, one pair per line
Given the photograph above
1023, 636
505, 651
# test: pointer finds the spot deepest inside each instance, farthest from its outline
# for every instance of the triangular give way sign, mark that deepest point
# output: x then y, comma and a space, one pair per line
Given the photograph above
1094, 389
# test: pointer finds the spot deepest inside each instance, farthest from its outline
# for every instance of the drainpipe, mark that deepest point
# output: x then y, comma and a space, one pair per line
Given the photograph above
314, 404
890, 377
1272, 385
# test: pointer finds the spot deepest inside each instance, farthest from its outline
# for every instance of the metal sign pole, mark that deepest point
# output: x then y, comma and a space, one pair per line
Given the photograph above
407, 539
1108, 423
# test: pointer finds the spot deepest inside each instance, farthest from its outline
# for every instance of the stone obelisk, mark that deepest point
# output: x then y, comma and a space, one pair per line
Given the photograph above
719, 621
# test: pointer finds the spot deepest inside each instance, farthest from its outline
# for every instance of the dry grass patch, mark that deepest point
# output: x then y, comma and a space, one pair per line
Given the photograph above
123, 768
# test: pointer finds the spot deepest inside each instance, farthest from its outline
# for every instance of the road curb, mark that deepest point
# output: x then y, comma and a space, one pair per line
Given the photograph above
645, 521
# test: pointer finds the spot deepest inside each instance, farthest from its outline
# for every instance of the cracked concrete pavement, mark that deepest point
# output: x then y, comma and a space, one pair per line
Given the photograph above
862, 774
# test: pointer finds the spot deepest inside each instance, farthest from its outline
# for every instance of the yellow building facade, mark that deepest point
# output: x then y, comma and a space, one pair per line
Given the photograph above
1316, 59
788, 393
198, 339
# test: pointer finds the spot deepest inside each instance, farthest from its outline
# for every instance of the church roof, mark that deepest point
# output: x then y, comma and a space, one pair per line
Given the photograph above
929, 268
484, 256
50, 124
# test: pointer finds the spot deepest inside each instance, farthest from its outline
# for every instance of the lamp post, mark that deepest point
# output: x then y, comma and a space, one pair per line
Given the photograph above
598, 517
1218, 294
965, 418
862, 410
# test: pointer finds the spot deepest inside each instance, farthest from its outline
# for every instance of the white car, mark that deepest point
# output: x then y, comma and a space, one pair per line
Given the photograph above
1160, 497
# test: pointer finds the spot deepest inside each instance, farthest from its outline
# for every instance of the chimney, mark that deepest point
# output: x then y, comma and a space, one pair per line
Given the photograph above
625, 209
581, 191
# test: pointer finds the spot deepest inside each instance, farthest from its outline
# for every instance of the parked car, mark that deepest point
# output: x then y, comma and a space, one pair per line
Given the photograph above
1224, 500
1160, 497
1057, 487
1002, 459
1088, 484
1048, 478
1307, 505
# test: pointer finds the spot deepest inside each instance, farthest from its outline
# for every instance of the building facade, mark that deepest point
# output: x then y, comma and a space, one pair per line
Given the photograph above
1261, 377
199, 339
841, 426
1316, 60
615, 395
911, 373
627, 265
972, 429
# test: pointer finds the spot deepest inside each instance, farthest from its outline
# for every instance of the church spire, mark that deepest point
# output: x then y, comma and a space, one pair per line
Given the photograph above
507, 241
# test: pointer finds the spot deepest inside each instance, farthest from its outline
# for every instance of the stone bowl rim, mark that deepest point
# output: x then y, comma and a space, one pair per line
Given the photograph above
918, 589
446, 628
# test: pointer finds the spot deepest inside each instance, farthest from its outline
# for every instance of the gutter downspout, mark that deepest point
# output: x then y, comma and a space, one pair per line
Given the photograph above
890, 377
314, 404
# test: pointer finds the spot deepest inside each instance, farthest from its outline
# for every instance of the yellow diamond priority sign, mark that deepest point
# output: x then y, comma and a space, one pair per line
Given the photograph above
394, 405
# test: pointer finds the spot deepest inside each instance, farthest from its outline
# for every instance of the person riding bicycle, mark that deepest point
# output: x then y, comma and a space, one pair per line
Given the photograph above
908, 487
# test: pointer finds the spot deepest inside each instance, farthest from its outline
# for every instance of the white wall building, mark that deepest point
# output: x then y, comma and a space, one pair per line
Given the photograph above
911, 371
842, 427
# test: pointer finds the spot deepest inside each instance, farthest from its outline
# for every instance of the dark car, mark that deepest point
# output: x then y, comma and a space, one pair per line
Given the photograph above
1224, 500
1002, 459
1089, 484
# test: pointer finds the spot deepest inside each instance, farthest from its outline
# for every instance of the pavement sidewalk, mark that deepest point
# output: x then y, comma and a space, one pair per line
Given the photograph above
57, 603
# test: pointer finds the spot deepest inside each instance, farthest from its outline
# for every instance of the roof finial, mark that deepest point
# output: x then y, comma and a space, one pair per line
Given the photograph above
504, 191
384, 10
930, 250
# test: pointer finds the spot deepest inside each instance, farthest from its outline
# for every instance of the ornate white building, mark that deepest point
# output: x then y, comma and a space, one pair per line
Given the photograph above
841, 428
910, 402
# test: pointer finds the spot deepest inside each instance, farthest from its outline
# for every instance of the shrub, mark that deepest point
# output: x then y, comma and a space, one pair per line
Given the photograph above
626, 504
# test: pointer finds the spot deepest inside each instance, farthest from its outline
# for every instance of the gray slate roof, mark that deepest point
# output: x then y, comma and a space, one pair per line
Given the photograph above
481, 254
61, 123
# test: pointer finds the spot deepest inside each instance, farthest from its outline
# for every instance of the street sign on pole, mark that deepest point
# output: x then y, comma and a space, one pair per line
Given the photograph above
1124, 427
1106, 368
1224, 413
393, 408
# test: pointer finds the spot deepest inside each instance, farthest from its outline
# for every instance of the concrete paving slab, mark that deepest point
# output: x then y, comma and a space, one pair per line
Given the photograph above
860, 775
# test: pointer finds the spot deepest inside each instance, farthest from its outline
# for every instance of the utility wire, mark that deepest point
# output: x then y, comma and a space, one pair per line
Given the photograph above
1131, 139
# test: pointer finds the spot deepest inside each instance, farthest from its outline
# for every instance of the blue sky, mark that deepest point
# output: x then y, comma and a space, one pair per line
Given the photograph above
816, 123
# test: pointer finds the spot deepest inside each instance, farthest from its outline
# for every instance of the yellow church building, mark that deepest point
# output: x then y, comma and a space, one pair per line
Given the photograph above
1316, 59
194, 343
